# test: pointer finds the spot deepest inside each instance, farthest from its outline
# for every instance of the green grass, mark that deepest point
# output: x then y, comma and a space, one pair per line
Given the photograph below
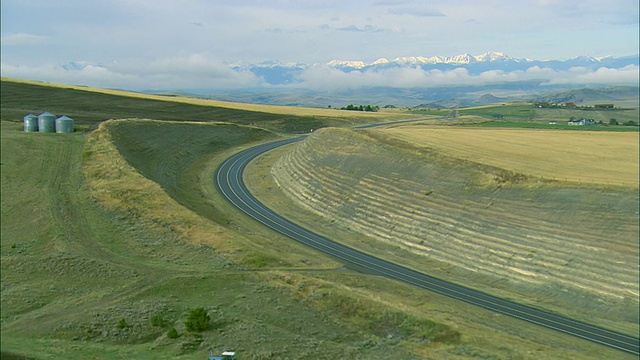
85, 279
559, 126
103, 255
510, 112
74, 272
436, 112
90, 108
527, 116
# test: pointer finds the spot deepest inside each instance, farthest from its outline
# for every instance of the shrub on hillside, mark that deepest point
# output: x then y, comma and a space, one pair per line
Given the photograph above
198, 320
122, 324
172, 333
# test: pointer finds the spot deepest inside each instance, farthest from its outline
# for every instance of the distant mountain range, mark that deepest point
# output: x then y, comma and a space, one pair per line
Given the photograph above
277, 73
432, 81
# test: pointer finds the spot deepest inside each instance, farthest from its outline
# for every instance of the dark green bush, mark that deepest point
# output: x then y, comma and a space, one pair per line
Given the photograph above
198, 320
122, 324
172, 333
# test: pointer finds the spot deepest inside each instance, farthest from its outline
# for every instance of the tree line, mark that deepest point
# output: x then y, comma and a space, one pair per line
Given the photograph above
361, 107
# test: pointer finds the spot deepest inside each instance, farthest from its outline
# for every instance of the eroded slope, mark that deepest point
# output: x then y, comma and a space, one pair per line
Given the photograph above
566, 248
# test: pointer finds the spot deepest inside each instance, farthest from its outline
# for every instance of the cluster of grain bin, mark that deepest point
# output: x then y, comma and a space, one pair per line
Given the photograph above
47, 122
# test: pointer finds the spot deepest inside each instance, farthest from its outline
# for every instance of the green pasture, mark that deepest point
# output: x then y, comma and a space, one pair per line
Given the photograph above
91, 108
527, 116
84, 280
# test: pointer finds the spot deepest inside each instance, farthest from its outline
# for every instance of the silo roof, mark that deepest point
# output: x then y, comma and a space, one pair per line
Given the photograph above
64, 117
46, 113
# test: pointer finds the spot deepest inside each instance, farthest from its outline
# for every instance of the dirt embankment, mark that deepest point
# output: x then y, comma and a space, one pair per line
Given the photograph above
570, 249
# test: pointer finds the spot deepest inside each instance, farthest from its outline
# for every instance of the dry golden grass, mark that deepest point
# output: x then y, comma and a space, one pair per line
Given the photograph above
119, 187
273, 109
595, 157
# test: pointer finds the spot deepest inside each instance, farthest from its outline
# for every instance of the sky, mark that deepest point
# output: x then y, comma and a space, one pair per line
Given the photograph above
192, 43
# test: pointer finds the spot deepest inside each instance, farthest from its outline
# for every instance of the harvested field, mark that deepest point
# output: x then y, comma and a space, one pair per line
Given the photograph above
607, 158
570, 249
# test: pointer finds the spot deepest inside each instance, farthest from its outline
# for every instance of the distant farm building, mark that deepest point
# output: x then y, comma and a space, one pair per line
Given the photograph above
582, 122
553, 122
570, 105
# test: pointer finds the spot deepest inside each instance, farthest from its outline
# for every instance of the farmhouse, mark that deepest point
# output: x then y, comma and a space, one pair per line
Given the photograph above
582, 122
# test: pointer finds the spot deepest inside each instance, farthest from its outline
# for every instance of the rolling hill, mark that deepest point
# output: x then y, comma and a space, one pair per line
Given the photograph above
112, 235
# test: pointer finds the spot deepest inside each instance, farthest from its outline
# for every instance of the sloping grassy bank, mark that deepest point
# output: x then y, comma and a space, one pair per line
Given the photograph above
98, 261
563, 247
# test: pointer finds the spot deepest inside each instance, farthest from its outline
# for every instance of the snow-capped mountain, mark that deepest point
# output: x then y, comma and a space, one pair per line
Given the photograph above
494, 56
282, 73
346, 64
462, 59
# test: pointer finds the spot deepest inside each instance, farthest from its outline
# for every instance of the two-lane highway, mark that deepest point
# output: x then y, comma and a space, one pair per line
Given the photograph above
229, 180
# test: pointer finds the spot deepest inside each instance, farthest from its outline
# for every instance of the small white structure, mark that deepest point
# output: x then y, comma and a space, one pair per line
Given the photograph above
226, 355
582, 122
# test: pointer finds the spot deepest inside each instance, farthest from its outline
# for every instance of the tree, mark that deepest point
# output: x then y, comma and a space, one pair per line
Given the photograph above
613, 122
198, 320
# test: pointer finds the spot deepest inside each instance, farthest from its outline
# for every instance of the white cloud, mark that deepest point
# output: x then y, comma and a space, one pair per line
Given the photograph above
181, 72
627, 75
416, 11
322, 77
202, 71
366, 28
22, 39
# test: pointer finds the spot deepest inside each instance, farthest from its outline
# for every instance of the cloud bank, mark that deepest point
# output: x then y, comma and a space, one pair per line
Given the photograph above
200, 71
180, 72
322, 77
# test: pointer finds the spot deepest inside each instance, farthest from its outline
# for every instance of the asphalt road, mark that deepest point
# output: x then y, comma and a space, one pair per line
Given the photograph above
228, 178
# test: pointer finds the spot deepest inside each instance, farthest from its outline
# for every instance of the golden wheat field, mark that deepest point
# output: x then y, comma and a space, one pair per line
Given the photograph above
592, 157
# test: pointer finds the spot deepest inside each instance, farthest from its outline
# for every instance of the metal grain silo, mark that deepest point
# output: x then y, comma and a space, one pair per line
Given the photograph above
30, 123
64, 124
47, 122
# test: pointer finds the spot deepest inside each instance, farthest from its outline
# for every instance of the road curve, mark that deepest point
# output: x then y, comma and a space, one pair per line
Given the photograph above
228, 178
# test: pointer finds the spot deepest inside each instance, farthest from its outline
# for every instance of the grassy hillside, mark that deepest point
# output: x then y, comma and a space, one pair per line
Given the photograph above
571, 249
104, 267
526, 115
88, 108
622, 96
111, 237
